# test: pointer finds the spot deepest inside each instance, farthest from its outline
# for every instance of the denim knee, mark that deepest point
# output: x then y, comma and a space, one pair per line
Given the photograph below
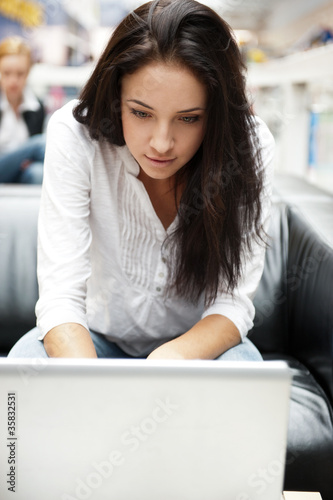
33, 174
29, 346
38, 143
245, 351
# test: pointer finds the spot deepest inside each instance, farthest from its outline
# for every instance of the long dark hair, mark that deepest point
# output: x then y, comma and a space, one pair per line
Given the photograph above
220, 210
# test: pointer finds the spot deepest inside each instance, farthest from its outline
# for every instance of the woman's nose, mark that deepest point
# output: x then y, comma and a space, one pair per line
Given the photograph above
162, 139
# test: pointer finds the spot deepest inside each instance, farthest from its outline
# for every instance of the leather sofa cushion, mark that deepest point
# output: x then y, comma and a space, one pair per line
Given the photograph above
19, 207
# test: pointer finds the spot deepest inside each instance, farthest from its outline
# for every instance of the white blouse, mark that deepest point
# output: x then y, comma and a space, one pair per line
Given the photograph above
101, 262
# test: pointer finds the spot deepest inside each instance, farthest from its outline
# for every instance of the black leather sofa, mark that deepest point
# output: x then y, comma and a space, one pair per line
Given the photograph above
294, 321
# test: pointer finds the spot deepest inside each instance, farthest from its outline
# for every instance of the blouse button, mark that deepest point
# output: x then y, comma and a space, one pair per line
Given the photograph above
161, 275
158, 289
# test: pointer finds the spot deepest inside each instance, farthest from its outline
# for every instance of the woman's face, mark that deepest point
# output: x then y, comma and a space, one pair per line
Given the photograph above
163, 113
14, 70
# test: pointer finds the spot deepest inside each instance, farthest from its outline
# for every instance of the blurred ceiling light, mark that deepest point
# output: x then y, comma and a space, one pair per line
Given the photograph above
86, 12
218, 5
245, 37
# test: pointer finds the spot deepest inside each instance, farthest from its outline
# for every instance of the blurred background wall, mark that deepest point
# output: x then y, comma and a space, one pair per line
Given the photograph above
287, 46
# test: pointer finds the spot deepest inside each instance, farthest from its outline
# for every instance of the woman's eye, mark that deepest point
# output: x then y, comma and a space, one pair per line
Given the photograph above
139, 114
190, 119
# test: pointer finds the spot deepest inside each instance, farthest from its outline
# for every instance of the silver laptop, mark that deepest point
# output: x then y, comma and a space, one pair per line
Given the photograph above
142, 430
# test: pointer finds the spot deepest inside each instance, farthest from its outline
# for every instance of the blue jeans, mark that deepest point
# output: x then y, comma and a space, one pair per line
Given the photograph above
30, 347
32, 151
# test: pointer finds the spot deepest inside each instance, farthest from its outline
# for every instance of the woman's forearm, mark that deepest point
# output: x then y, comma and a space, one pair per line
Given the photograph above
69, 340
207, 339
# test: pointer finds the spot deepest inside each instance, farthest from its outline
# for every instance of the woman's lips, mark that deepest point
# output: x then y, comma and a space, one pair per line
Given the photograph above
160, 162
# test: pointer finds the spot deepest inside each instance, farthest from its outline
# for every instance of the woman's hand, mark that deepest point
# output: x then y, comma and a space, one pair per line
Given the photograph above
207, 339
166, 351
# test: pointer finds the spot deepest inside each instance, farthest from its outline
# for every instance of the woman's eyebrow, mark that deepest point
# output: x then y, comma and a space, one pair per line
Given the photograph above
140, 103
190, 110
149, 107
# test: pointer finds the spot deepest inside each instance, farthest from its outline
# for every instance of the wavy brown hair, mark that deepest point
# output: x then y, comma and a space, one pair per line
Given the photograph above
220, 209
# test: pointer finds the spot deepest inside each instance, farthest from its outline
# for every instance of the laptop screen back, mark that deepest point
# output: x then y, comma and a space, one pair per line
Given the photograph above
132, 430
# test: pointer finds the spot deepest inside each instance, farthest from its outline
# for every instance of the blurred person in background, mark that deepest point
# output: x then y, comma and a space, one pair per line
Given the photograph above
22, 144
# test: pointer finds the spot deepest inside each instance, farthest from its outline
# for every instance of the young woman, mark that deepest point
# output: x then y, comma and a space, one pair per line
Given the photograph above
156, 198
22, 145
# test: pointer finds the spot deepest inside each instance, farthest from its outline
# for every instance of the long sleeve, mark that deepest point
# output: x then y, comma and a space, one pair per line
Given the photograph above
64, 234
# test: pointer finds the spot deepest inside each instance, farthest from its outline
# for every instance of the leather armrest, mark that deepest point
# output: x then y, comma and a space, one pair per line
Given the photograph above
294, 300
309, 283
